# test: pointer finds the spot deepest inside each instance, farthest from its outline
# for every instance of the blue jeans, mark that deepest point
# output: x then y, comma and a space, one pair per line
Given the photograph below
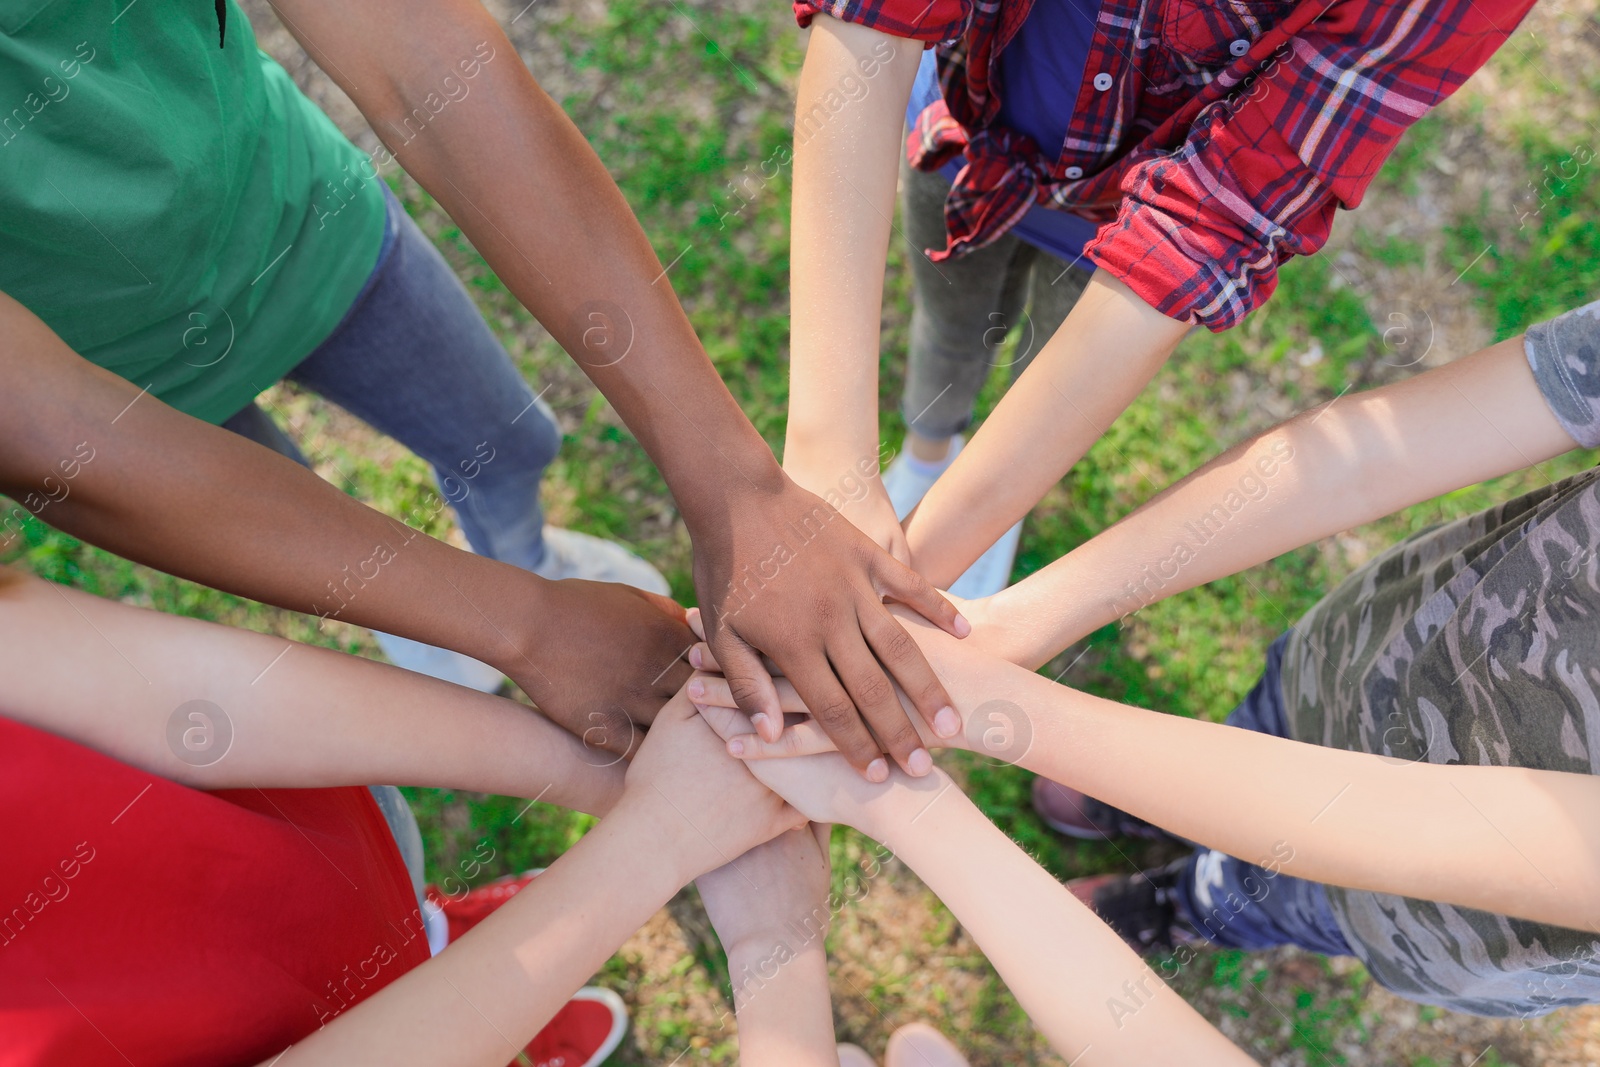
413, 359
1242, 905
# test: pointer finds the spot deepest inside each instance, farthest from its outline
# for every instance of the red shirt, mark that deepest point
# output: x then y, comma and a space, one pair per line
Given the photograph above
142, 921
1214, 139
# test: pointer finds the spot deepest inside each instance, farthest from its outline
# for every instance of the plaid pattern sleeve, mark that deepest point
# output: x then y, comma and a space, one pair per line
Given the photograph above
1202, 228
930, 21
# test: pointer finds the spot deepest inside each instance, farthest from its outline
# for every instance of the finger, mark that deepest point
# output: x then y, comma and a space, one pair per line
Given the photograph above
702, 658
834, 711
901, 656
714, 689
725, 722
802, 739
896, 581
696, 623
864, 679
750, 684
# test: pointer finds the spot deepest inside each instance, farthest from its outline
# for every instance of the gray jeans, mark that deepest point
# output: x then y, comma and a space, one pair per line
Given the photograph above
963, 309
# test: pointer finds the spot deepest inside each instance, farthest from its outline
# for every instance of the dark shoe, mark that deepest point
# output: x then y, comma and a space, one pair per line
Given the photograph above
1142, 909
1067, 811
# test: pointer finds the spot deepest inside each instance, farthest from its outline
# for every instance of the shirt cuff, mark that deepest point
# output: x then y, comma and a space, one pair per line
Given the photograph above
1564, 355
914, 20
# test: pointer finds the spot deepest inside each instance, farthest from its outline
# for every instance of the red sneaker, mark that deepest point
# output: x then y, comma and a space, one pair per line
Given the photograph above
465, 912
582, 1034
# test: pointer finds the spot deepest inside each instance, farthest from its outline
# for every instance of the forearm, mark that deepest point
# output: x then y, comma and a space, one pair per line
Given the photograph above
548, 218
845, 169
1101, 358
781, 998
273, 713
1355, 460
1061, 962
201, 503
1503, 839
482, 1000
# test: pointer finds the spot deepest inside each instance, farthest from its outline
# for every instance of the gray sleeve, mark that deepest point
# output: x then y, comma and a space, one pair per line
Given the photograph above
1564, 354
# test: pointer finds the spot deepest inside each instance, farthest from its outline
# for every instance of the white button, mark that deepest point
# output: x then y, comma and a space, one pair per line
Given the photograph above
1239, 47
1102, 81
1074, 173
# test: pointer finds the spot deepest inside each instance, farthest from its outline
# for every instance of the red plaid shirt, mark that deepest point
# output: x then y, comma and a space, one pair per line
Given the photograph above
1212, 138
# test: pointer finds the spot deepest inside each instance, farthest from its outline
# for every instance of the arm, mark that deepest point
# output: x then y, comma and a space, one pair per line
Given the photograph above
1357, 459
845, 169
1430, 831
1238, 185
775, 947
290, 715
1062, 963
686, 808
163, 489
1072, 391
547, 217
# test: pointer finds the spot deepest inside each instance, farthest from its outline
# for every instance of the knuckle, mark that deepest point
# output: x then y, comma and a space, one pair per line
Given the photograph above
743, 690
895, 644
875, 689
836, 714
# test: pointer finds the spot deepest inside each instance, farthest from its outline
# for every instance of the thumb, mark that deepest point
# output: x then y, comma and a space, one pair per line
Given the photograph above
893, 580
749, 683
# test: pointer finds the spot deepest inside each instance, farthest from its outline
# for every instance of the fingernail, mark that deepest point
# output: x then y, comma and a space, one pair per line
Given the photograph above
697, 689
759, 721
694, 658
919, 762
736, 748
877, 771
963, 627
947, 723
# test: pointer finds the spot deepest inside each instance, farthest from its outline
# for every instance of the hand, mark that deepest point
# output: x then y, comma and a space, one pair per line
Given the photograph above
709, 807
824, 788
862, 500
981, 718
611, 658
774, 888
791, 580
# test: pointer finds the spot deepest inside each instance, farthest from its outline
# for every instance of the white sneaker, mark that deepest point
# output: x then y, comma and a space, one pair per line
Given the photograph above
908, 480
570, 554
440, 663
990, 572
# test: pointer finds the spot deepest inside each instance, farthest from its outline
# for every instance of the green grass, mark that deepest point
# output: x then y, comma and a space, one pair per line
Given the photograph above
684, 160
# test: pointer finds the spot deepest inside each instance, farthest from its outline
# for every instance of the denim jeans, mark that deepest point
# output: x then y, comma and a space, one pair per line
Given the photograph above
962, 309
1242, 905
414, 359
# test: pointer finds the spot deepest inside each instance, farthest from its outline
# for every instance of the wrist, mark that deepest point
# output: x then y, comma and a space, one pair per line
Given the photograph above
680, 852
711, 505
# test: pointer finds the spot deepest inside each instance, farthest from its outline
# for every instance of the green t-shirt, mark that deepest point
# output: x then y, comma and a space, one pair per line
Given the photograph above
177, 212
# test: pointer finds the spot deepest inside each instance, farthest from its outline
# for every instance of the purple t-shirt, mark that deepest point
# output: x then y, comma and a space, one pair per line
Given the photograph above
1041, 71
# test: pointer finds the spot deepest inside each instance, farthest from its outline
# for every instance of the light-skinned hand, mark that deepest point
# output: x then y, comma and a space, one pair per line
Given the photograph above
709, 807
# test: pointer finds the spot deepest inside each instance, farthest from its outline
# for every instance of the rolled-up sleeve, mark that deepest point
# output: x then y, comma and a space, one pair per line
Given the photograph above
916, 20
1564, 354
1202, 229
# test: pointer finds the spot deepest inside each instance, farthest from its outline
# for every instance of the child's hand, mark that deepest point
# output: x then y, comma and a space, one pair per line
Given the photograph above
983, 720
770, 892
825, 788
709, 808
